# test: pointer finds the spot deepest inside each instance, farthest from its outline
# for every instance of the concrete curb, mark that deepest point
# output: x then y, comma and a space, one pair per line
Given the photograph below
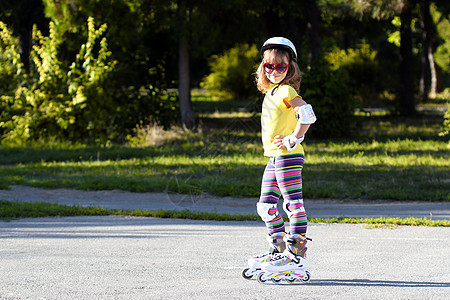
318, 208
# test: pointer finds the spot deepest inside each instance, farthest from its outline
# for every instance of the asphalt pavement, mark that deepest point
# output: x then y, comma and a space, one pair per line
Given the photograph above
117, 257
318, 208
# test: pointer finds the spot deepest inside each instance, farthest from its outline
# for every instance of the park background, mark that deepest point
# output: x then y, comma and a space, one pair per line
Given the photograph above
152, 95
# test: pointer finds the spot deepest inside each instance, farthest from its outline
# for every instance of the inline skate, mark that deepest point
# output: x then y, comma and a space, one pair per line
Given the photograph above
290, 266
276, 248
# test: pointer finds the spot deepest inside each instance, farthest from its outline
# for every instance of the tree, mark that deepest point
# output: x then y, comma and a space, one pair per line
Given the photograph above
142, 39
439, 42
388, 9
184, 88
59, 99
313, 30
407, 106
21, 15
428, 71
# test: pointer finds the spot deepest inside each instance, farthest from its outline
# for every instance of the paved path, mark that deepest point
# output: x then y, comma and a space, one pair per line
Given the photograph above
206, 203
116, 257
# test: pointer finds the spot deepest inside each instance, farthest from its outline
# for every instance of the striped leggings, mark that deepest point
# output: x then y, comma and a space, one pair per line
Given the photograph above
283, 177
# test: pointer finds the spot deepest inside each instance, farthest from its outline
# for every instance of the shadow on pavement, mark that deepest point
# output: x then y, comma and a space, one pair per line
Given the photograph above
368, 283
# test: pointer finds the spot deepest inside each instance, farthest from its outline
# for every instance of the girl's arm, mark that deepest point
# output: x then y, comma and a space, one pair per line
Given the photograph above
300, 129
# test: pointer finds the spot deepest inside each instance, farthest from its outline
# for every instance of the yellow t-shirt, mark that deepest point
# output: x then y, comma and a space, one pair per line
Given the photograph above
278, 119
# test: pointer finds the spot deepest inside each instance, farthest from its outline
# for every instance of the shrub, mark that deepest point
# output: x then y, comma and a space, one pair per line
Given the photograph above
446, 124
154, 135
72, 101
11, 67
363, 69
11, 71
330, 93
56, 100
232, 73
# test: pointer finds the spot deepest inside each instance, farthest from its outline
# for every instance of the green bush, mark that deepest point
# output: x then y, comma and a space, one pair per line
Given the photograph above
442, 52
446, 124
232, 73
446, 130
331, 94
56, 100
363, 69
77, 100
11, 72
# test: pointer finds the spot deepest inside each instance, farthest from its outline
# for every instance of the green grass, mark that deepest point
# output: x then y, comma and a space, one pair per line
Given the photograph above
401, 169
10, 210
391, 158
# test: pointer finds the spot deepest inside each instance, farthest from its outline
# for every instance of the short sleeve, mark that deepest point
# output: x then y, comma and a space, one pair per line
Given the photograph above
288, 93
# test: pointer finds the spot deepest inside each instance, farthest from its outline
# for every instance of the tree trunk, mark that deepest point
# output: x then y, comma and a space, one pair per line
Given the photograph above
184, 88
313, 30
270, 24
28, 12
433, 72
25, 41
425, 78
407, 106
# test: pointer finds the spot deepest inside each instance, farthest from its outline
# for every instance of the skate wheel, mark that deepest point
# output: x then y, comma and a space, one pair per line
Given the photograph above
276, 280
244, 274
290, 280
307, 277
260, 278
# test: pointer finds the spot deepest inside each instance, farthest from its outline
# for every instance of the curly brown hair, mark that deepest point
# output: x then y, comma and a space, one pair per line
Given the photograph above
278, 55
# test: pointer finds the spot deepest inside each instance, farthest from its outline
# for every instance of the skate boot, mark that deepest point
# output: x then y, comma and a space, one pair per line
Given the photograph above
277, 246
290, 266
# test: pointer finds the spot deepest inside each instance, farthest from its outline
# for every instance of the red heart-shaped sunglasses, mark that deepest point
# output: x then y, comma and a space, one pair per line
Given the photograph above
280, 68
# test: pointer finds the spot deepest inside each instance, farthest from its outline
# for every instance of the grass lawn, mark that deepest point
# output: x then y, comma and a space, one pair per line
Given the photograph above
390, 158
12, 210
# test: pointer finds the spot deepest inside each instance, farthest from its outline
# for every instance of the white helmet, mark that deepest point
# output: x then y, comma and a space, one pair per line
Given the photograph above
280, 42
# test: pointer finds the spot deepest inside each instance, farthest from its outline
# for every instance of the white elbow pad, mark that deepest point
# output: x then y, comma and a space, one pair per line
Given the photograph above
306, 114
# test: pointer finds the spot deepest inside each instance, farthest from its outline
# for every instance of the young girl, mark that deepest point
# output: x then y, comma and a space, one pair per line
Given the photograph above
285, 119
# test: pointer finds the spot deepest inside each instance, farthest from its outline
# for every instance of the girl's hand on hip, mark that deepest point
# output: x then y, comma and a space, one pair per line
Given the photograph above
278, 141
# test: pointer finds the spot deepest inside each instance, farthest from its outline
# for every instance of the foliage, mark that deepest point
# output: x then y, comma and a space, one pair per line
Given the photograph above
363, 69
442, 53
143, 35
153, 135
11, 72
61, 101
232, 73
377, 9
9, 59
394, 36
446, 122
331, 94
74, 101
326, 86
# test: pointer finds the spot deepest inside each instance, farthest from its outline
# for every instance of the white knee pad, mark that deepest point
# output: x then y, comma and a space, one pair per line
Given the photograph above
291, 212
263, 211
